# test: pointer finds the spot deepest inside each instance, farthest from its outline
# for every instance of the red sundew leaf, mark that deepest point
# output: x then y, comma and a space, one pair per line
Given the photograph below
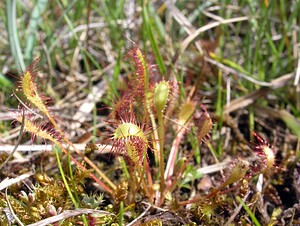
265, 151
129, 139
204, 124
141, 80
29, 87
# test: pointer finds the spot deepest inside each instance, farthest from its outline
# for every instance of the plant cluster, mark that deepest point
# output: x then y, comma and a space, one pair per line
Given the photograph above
154, 166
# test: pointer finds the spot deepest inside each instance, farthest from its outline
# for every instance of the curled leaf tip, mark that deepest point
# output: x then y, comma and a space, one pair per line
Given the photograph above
129, 139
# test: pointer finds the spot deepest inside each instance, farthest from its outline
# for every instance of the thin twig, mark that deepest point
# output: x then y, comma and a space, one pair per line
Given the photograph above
297, 77
140, 217
68, 214
250, 98
18, 141
11, 210
103, 149
8, 182
209, 26
232, 71
237, 210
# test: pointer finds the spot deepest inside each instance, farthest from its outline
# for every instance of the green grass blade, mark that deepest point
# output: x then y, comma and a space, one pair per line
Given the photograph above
12, 30
115, 78
74, 187
34, 22
160, 28
57, 150
121, 213
291, 122
4, 82
253, 218
67, 19
153, 42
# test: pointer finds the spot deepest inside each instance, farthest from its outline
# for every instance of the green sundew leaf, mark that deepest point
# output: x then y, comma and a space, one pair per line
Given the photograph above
186, 112
238, 173
161, 95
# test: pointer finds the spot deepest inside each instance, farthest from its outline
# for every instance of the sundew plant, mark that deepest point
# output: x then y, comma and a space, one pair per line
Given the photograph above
149, 113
